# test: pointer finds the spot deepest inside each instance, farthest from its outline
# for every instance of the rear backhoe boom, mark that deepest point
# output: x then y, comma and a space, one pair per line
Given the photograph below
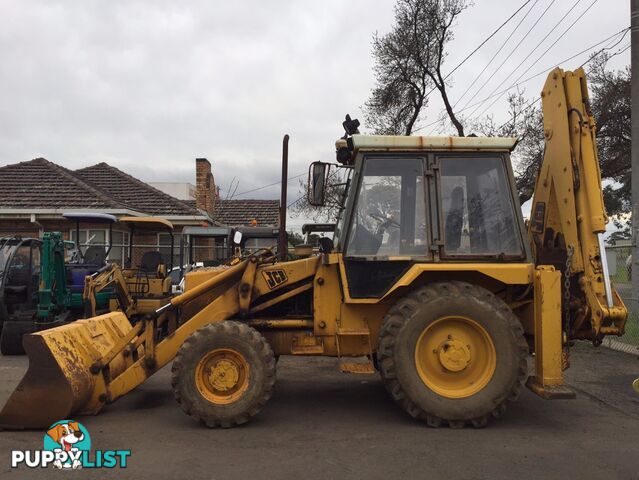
568, 216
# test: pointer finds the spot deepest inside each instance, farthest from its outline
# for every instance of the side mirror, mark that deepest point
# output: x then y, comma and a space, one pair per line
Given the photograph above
317, 176
237, 237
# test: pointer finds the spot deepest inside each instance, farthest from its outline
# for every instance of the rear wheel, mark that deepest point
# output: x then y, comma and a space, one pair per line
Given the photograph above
223, 374
452, 353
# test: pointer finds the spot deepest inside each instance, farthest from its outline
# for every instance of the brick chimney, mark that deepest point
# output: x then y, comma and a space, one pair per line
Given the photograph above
205, 190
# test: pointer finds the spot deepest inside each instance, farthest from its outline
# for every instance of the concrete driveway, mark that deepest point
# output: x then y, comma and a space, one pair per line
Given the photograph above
324, 424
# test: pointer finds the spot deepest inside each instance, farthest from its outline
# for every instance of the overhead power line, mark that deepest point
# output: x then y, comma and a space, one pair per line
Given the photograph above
621, 33
542, 55
269, 185
504, 43
536, 99
488, 38
511, 52
484, 42
574, 5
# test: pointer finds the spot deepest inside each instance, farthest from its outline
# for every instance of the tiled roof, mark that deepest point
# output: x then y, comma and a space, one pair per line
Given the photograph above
243, 212
135, 193
39, 183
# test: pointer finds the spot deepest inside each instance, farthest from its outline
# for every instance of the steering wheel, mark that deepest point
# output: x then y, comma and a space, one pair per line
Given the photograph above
384, 222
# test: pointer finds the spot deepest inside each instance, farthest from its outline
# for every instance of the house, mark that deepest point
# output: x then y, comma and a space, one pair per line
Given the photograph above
35, 194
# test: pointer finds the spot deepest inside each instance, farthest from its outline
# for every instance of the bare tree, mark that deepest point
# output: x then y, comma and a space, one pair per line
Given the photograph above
408, 65
525, 123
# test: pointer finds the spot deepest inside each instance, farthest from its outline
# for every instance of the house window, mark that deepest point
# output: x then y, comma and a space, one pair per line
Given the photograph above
120, 247
92, 236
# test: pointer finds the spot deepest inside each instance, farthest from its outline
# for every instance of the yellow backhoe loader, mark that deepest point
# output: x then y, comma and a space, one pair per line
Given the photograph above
432, 277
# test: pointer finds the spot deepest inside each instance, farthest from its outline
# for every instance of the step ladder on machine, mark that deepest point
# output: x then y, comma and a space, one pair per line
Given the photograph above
351, 365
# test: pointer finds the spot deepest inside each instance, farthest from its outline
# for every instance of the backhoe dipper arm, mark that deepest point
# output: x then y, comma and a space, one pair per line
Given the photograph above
111, 274
568, 215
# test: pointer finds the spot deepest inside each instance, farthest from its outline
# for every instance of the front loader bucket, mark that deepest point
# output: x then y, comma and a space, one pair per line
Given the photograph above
59, 382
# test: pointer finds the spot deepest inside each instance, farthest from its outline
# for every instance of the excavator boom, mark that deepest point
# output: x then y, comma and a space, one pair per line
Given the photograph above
568, 216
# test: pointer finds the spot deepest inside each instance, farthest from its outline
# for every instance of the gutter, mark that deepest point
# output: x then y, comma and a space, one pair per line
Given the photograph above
57, 212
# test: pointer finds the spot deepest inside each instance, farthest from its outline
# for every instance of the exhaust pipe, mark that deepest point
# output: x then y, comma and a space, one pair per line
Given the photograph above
282, 241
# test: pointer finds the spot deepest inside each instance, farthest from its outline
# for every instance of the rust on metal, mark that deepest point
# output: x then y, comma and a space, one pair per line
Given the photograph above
59, 381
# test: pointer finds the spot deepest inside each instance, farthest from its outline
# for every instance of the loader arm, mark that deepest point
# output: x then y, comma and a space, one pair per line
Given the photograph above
79, 367
568, 216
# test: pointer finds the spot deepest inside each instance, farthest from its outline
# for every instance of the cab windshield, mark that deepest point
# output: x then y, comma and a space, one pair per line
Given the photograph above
389, 216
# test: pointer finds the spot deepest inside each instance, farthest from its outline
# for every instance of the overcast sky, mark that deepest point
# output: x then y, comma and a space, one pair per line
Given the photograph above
147, 86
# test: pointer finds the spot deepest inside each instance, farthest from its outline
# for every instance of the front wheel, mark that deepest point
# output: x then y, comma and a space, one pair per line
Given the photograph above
223, 374
452, 352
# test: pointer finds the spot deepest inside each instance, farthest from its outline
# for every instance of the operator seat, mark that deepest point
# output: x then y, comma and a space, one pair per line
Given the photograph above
150, 262
95, 255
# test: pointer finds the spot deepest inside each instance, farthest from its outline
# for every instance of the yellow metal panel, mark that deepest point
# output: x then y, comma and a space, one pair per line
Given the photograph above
356, 316
548, 331
507, 273
196, 277
269, 277
327, 298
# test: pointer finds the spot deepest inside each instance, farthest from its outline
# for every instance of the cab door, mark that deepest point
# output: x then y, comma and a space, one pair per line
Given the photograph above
388, 228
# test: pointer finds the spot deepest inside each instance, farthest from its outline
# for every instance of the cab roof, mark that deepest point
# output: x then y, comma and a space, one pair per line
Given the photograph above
396, 142
147, 223
207, 231
89, 217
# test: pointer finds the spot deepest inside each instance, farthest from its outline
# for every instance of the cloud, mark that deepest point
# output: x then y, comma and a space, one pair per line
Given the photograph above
149, 85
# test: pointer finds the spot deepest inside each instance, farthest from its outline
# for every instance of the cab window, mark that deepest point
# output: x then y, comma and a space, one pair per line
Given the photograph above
477, 208
389, 214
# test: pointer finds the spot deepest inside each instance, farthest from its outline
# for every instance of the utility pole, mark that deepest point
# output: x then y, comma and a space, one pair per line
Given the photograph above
634, 95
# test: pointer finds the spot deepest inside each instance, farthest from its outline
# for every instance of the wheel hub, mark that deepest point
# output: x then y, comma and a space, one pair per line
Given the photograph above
454, 355
222, 376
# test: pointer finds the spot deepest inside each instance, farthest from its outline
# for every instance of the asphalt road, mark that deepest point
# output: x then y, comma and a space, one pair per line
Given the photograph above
324, 424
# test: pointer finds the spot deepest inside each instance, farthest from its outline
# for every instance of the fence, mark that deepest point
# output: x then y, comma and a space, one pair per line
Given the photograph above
620, 267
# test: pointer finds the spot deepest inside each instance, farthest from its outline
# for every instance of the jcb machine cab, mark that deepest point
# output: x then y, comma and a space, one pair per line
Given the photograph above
432, 278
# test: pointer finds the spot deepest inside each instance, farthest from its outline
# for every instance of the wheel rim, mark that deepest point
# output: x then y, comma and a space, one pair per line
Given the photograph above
455, 357
222, 376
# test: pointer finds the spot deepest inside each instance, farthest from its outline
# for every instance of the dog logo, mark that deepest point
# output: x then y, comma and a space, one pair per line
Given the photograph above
67, 439
67, 446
